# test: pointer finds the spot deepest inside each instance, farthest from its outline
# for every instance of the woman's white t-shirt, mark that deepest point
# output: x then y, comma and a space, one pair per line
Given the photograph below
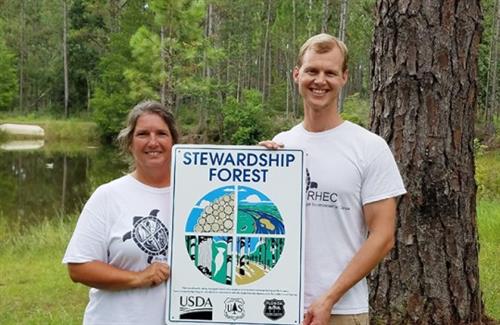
124, 224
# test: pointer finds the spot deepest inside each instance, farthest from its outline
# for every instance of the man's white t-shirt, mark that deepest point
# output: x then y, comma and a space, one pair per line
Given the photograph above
347, 167
124, 224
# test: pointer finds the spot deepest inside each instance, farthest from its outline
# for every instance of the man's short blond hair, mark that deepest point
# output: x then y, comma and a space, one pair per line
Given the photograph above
323, 43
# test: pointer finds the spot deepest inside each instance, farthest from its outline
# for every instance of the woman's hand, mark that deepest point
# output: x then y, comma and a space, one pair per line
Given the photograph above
153, 275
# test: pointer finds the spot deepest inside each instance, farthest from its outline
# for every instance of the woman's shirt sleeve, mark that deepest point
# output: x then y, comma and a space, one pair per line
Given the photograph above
90, 240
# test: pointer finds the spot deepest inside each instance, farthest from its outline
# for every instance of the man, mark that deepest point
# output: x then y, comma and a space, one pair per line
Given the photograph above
352, 185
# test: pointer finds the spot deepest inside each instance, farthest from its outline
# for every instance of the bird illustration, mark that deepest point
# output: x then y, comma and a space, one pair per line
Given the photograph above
219, 259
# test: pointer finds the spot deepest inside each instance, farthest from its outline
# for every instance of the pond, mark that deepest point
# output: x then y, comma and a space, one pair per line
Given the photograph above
37, 183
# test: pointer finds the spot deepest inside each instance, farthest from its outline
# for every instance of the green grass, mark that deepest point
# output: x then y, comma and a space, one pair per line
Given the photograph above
489, 263
488, 220
34, 286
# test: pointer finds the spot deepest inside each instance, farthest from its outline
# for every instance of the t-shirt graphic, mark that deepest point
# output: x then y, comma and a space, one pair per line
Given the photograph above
150, 235
309, 183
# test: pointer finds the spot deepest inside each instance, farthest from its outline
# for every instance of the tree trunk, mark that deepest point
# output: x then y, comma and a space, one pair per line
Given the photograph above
309, 19
22, 53
326, 15
342, 29
265, 54
493, 102
65, 57
424, 79
163, 87
294, 41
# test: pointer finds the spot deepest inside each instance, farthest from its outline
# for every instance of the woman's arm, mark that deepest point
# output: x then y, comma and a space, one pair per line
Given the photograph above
100, 275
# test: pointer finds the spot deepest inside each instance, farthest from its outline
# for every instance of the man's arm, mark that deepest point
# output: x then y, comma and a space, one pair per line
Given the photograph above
380, 218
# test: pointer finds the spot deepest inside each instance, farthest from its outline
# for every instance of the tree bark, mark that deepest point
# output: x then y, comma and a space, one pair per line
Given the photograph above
163, 88
342, 30
326, 15
343, 19
22, 55
294, 41
65, 57
309, 19
491, 105
424, 80
265, 54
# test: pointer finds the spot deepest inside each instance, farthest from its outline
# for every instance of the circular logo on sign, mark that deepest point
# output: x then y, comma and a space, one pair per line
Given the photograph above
235, 235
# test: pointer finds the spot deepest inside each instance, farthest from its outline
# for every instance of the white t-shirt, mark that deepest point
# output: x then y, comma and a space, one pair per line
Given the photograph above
347, 167
123, 224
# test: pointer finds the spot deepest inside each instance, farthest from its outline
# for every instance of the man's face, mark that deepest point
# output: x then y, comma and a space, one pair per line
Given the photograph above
320, 79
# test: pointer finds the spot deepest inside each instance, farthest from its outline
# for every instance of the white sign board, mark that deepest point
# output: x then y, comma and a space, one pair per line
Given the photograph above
236, 249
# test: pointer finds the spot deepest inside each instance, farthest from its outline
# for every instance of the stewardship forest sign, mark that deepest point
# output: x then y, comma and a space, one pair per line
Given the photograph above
237, 236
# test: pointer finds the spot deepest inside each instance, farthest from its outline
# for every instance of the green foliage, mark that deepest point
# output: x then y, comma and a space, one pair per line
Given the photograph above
356, 110
145, 73
245, 122
358, 40
111, 100
8, 77
488, 175
110, 112
86, 43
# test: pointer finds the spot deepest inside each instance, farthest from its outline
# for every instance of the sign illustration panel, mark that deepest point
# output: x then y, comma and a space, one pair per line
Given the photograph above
237, 234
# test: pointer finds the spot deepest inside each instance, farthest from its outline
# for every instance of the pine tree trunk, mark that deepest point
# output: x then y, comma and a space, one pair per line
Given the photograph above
309, 19
342, 31
294, 41
163, 88
22, 55
326, 15
424, 80
493, 102
265, 55
65, 57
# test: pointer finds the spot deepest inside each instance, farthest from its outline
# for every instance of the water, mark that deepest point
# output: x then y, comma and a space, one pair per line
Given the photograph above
37, 184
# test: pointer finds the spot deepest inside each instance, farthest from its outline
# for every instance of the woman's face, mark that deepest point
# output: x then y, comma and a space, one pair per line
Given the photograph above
151, 143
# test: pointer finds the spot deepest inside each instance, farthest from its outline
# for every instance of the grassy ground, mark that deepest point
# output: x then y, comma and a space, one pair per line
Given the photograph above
488, 214
34, 285
489, 263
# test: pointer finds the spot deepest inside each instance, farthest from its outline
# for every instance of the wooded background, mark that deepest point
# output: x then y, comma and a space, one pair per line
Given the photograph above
214, 62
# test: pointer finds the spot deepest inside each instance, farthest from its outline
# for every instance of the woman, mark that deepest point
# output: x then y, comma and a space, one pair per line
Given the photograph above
120, 242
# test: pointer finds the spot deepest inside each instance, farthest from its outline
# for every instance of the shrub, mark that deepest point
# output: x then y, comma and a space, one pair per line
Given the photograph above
245, 122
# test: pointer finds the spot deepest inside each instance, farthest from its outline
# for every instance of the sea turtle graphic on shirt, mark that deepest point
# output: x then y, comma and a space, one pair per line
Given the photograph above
149, 234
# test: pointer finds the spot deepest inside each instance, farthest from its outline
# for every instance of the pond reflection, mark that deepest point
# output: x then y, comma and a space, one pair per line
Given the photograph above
37, 185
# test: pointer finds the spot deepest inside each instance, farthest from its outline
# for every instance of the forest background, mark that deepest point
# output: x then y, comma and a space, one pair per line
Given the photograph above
223, 67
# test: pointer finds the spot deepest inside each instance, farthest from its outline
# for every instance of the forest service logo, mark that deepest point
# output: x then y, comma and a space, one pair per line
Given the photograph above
234, 308
274, 309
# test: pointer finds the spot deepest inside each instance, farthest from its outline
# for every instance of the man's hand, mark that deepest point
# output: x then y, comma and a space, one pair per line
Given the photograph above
271, 144
319, 312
